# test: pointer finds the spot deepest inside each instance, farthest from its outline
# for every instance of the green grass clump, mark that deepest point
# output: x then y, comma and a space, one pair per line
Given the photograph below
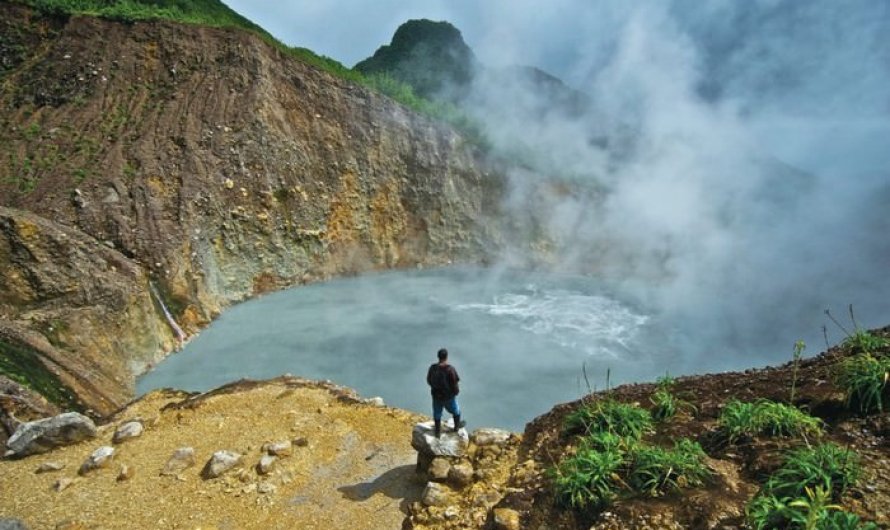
827, 466
665, 404
766, 417
656, 470
611, 448
863, 341
812, 512
622, 419
864, 378
587, 480
803, 493
608, 441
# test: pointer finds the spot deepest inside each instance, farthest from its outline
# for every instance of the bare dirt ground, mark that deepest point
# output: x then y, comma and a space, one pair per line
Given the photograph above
356, 469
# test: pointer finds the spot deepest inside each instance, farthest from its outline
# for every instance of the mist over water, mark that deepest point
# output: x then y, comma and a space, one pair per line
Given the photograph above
519, 340
739, 153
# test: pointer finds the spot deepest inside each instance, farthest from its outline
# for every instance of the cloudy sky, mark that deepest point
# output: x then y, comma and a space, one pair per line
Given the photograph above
821, 60
759, 174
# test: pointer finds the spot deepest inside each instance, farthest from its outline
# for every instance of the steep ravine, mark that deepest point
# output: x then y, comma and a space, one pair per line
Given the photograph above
210, 164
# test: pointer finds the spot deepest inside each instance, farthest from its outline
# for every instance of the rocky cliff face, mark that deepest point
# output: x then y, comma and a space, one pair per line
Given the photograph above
209, 164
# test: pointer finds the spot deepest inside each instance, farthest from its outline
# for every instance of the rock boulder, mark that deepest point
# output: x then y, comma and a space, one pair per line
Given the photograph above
128, 430
100, 458
219, 463
43, 435
182, 459
449, 443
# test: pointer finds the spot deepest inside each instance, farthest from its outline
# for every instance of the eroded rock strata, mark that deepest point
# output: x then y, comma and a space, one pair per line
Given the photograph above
154, 162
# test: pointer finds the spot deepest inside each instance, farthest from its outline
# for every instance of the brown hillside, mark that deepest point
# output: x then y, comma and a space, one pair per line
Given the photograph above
209, 163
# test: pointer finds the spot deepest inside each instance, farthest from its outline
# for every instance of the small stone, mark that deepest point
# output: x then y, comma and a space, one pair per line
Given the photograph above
301, 442
12, 524
182, 459
266, 464
250, 488
126, 473
377, 401
100, 458
284, 448
451, 512
460, 475
229, 183
131, 429
219, 463
486, 499
266, 488
48, 467
434, 494
62, 483
506, 519
439, 469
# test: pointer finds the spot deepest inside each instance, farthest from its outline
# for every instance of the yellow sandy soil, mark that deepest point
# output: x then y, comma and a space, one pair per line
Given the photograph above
357, 470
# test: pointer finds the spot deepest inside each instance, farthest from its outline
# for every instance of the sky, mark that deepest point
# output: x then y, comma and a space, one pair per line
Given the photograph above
744, 144
817, 59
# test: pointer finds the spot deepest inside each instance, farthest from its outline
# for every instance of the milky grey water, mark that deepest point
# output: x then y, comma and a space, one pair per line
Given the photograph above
518, 340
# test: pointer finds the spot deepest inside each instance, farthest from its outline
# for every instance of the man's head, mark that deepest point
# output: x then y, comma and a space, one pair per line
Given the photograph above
443, 355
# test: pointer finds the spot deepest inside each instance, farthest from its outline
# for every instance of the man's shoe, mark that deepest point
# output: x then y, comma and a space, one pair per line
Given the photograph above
458, 423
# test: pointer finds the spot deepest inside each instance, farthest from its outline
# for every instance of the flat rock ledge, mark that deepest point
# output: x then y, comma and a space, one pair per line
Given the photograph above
449, 443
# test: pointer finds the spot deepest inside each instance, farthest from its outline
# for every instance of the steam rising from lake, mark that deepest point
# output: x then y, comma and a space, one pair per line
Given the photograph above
519, 340
728, 182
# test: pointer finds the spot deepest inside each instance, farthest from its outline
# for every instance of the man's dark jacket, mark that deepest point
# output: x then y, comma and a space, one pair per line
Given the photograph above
450, 387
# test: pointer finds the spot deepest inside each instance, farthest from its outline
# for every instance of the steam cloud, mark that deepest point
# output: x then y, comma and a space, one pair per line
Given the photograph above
742, 157
735, 158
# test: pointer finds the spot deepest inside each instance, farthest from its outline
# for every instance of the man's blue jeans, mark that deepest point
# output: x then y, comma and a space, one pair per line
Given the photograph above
448, 404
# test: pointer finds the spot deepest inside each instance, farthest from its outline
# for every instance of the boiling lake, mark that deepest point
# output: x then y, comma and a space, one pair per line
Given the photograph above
521, 342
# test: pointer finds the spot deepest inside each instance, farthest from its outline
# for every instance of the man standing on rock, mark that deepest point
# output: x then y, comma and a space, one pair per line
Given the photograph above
443, 379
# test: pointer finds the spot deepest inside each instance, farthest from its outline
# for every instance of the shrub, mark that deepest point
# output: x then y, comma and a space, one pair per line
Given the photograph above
622, 419
864, 379
656, 470
766, 417
587, 479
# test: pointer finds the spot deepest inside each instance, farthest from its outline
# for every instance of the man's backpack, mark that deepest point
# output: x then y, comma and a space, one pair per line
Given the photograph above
440, 381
